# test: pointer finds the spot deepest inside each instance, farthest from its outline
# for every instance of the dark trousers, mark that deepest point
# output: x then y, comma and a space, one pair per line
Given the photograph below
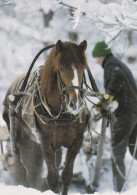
123, 134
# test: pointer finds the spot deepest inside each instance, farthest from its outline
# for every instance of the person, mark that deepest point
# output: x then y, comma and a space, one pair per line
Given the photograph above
120, 84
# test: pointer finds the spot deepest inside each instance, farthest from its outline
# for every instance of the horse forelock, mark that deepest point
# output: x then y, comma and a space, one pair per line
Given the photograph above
72, 54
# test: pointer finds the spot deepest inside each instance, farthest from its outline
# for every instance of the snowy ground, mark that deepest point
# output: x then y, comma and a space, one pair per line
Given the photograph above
105, 185
22, 35
20, 190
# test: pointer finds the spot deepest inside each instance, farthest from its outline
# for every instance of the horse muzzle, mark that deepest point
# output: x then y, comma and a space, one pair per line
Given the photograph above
75, 106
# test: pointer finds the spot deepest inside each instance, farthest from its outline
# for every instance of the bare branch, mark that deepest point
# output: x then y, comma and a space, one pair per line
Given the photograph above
6, 3
75, 8
67, 5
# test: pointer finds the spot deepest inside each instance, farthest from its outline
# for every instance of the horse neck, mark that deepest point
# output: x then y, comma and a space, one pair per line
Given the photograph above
49, 87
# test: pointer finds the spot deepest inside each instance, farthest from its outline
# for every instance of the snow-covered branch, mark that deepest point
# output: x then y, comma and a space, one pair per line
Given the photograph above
111, 18
70, 3
6, 3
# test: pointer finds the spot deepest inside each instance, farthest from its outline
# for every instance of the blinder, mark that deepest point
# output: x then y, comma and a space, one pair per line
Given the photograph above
63, 88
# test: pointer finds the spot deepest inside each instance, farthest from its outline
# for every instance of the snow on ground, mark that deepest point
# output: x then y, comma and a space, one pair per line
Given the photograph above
20, 22
105, 184
21, 190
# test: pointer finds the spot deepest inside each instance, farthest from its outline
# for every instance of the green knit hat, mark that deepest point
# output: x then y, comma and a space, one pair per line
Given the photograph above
101, 49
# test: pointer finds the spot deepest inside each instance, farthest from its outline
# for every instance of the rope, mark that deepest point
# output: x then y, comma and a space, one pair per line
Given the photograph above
92, 81
93, 102
96, 132
23, 86
46, 107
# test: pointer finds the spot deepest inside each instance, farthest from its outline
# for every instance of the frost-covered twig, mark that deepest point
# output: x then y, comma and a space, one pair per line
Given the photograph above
6, 3
61, 3
111, 18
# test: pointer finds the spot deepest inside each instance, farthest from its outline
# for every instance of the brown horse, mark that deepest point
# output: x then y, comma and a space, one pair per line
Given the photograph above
60, 114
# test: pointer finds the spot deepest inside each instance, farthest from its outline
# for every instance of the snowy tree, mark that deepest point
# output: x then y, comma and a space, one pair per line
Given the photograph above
27, 26
114, 19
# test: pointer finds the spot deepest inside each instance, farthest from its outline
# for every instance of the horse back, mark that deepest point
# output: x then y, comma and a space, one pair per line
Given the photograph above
14, 87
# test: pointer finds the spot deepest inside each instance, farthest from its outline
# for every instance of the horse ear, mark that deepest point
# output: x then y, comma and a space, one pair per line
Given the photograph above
83, 45
59, 45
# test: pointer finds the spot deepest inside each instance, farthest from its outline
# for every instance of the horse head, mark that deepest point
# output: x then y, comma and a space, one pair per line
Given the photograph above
67, 63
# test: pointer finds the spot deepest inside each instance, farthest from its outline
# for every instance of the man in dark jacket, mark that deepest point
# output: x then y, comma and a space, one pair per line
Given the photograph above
119, 83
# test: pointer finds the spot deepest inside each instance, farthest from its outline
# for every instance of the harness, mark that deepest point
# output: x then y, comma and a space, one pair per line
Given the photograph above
64, 88
41, 108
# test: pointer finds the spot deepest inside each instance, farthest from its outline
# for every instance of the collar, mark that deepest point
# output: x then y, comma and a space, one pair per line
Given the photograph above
103, 63
47, 119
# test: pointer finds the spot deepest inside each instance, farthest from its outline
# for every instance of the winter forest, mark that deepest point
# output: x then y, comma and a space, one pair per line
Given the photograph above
28, 26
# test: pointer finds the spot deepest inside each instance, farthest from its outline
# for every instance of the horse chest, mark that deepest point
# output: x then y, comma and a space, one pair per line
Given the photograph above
65, 135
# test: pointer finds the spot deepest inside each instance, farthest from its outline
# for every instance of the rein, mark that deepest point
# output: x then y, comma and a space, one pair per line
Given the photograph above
24, 84
92, 81
62, 86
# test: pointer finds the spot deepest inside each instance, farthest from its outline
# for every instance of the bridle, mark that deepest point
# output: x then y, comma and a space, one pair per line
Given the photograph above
64, 88
59, 118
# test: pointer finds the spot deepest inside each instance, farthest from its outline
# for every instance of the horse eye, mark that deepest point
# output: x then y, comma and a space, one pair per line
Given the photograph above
61, 69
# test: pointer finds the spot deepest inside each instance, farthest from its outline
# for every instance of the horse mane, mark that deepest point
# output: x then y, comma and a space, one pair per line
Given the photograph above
46, 81
71, 53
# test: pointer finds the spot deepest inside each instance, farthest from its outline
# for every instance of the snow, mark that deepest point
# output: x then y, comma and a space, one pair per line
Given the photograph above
114, 18
21, 190
23, 34
105, 184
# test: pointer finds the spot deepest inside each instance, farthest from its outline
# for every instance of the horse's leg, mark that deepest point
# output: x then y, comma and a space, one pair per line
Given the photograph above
53, 175
69, 163
18, 171
32, 159
34, 175
58, 156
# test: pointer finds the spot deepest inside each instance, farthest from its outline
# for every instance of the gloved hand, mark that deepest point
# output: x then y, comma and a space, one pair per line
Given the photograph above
98, 106
108, 97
